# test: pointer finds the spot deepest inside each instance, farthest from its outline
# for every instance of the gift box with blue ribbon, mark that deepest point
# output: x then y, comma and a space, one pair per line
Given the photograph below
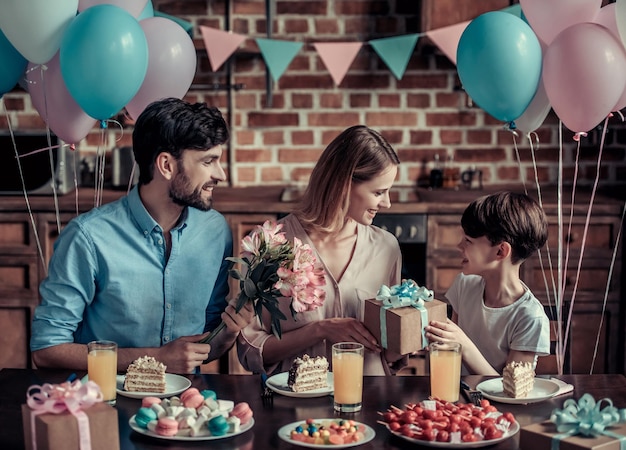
581, 425
398, 315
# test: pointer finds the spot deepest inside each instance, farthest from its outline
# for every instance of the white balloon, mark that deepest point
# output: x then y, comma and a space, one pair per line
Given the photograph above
536, 112
36, 27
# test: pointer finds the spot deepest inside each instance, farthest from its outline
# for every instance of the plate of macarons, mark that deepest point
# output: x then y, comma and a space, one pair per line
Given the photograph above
193, 416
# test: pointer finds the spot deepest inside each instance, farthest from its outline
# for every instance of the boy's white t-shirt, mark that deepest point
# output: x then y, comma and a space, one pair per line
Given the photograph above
521, 326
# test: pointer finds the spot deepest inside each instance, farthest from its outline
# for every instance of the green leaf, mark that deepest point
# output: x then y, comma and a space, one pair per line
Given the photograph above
249, 288
234, 273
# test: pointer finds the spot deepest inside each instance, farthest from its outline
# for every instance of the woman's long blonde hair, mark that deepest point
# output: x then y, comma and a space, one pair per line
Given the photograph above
357, 155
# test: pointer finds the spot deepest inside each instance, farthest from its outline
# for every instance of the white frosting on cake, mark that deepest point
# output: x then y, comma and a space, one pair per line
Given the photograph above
518, 379
145, 374
307, 374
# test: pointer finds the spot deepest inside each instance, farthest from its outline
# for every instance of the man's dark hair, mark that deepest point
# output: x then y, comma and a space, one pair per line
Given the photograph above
173, 126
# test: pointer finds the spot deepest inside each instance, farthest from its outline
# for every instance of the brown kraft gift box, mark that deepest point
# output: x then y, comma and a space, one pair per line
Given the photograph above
60, 431
538, 436
404, 325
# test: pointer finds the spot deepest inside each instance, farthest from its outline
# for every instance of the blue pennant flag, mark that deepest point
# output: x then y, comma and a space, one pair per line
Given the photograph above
278, 54
395, 52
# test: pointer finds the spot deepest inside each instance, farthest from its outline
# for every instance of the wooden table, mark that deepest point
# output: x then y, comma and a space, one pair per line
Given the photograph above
379, 394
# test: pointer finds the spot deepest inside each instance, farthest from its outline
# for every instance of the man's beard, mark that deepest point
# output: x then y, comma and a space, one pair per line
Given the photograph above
182, 194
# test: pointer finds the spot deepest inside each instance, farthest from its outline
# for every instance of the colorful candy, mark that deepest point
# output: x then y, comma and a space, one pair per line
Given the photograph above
328, 432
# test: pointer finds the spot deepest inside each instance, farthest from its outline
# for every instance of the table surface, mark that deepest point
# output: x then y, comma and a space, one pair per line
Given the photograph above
379, 393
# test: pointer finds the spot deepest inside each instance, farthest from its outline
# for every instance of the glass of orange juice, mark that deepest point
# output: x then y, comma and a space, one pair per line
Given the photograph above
348, 376
102, 368
445, 370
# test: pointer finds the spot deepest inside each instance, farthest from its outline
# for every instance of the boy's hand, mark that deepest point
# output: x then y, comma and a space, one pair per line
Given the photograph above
447, 331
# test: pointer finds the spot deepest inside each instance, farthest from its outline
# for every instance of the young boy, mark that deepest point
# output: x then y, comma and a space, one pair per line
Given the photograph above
496, 318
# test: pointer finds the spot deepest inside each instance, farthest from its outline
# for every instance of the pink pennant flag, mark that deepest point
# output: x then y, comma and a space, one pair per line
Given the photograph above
337, 57
447, 38
219, 45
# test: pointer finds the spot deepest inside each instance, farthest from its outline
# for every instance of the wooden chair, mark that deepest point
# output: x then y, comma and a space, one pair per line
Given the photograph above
548, 364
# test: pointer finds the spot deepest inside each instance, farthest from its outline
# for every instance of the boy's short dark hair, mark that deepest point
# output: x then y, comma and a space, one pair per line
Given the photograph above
507, 217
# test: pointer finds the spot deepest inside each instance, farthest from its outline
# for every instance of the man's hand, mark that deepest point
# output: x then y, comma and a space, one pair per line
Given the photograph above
184, 354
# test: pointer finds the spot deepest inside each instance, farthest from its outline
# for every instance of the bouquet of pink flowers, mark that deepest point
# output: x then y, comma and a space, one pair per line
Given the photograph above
272, 268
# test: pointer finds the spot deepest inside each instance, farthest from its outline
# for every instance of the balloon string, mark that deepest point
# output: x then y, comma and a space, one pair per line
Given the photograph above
559, 298
519, 162
34, 152
571, 214
26, 199
557, 330
608, 283
585, 231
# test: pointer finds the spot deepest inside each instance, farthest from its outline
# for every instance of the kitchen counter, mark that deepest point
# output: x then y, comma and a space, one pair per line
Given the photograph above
281, 199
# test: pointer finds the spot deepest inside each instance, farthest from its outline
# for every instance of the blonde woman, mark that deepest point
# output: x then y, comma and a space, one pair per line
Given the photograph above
349, 185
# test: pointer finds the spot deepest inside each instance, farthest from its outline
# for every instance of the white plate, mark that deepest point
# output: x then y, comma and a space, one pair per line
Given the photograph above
514, 428
174, 384
285, 434
278, 384
542, 390
145, 432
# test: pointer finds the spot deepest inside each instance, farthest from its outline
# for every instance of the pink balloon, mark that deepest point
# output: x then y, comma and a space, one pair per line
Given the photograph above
548, 18
54, 103
171, 63
584, 73
606, 18
134, 7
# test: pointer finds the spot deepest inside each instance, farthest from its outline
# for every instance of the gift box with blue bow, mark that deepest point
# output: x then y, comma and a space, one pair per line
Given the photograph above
398, 315
580, 425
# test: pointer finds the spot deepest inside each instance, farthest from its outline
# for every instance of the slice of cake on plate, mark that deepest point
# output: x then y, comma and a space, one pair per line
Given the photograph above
518, 379
307, 374
145, 374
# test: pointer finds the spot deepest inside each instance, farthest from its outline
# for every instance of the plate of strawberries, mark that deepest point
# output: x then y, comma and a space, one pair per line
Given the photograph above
436, 423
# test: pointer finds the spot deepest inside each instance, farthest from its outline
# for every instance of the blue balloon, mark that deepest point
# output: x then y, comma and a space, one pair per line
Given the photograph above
499, 63
12, 65
104, 59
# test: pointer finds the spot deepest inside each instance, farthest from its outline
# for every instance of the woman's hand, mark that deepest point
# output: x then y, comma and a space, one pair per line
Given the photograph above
348, 329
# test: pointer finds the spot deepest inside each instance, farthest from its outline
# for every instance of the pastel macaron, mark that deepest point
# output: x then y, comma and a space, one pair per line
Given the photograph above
144, 416
166, 426
192, 398
218, 426
243, 412
208, 393
147, 402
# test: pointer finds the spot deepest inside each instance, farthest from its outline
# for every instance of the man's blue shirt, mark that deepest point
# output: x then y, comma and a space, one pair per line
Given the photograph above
110, 278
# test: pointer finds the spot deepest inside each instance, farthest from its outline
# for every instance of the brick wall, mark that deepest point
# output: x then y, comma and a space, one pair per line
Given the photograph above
278, 134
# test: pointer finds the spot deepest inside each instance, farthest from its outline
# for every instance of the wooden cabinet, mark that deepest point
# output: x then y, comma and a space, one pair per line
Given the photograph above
594, 336
18, 288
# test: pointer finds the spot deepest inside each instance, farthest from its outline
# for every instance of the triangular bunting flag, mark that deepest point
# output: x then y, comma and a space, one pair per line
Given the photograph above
278, 54
395, 52
447, 38
516, 10
187, 26
337, 57
219, 45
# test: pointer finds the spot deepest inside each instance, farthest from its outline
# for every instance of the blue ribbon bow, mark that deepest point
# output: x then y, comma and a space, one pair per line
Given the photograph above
408, 293
586, 417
